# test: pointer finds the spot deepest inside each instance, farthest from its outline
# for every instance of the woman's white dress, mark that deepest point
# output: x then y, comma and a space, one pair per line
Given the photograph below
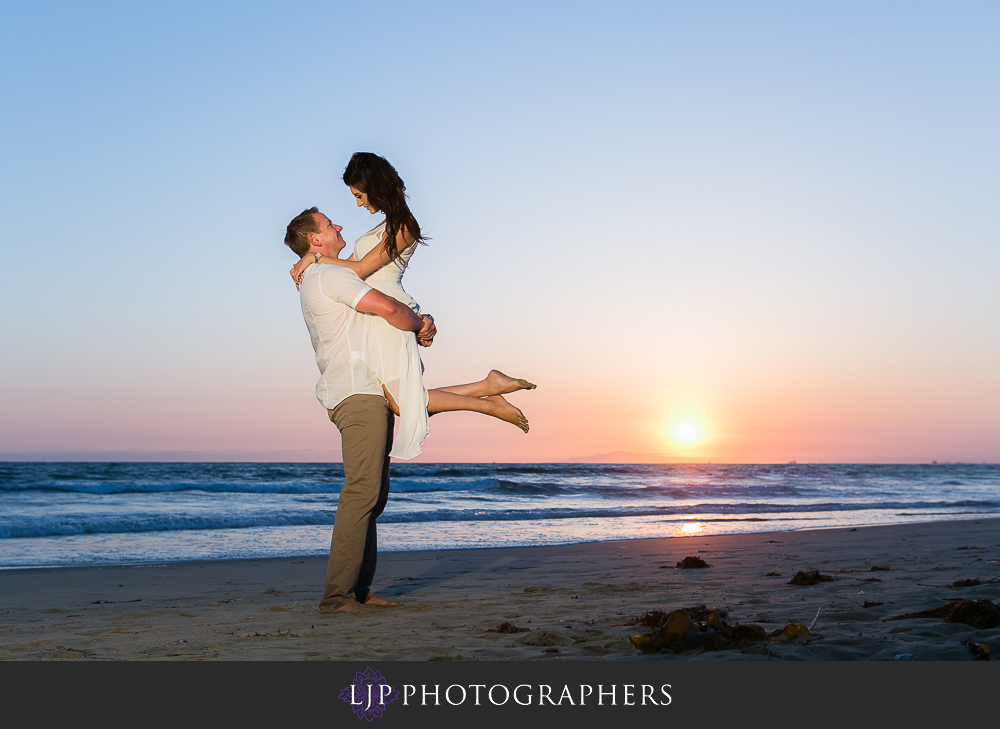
394, 354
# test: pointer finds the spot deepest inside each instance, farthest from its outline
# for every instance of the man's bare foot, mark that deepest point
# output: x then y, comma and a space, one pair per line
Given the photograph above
377, 601
507, 412
501, 384
352, 607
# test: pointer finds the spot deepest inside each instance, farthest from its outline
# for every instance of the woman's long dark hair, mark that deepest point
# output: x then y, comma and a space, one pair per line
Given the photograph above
374, 176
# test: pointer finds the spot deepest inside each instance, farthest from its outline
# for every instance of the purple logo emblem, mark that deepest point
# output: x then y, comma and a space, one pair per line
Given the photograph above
369, 694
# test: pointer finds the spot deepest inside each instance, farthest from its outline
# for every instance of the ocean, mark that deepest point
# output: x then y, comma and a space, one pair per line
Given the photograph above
54, 514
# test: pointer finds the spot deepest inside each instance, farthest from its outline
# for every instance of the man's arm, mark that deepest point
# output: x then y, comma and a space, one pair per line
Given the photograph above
399, 315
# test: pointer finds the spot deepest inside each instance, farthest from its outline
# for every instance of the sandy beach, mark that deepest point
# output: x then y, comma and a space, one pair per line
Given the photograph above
577, 602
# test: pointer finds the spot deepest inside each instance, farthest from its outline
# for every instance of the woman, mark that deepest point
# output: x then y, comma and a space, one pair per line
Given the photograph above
380, 258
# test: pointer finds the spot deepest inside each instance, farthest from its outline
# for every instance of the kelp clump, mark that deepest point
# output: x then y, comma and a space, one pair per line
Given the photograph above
694, 628
692, 563
805, 579
792, 633
506, 627
980, 614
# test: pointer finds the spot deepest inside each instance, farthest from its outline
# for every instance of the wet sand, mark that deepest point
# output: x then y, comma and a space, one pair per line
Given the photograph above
576, 602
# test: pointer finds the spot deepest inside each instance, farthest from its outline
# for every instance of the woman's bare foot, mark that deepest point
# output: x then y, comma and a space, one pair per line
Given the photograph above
502, 384
377, 601
507, 412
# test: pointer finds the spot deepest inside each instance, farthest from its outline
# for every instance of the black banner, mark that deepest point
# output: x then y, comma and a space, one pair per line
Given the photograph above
518, 694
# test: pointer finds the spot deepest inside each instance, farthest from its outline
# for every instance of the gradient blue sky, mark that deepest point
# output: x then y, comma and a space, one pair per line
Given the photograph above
775, 220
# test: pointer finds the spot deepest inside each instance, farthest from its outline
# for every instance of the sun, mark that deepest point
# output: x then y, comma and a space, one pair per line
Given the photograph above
687, 432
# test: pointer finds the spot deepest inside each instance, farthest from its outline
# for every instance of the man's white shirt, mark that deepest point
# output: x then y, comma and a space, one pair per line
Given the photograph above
339, 334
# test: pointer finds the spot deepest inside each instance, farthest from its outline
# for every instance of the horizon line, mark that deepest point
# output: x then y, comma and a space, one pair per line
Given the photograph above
641, 458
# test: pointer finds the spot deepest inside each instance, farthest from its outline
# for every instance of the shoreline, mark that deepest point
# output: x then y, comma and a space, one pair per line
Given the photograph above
575, 601
326, 529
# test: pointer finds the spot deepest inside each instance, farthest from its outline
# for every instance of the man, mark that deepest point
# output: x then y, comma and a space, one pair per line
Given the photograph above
334, 302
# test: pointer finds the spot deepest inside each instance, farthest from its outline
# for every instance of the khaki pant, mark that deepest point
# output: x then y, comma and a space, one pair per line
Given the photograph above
365, 424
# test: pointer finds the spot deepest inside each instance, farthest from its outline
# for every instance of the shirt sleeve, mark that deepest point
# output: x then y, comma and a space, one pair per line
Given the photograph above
343, 285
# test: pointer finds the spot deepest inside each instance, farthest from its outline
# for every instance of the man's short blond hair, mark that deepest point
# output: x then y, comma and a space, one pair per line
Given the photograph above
297, 233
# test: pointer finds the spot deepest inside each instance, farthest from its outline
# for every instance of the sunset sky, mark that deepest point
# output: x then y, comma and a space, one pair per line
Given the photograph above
768, 220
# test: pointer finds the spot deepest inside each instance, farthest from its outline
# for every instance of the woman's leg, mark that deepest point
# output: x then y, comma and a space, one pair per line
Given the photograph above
495, 383
443, 401
392, 403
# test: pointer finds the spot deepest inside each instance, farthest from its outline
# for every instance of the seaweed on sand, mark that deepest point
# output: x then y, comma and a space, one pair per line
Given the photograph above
693, 628
506, 627
803, 578
980, 614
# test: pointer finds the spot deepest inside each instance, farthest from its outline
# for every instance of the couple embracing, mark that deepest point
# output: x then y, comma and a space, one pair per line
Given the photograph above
366, 329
